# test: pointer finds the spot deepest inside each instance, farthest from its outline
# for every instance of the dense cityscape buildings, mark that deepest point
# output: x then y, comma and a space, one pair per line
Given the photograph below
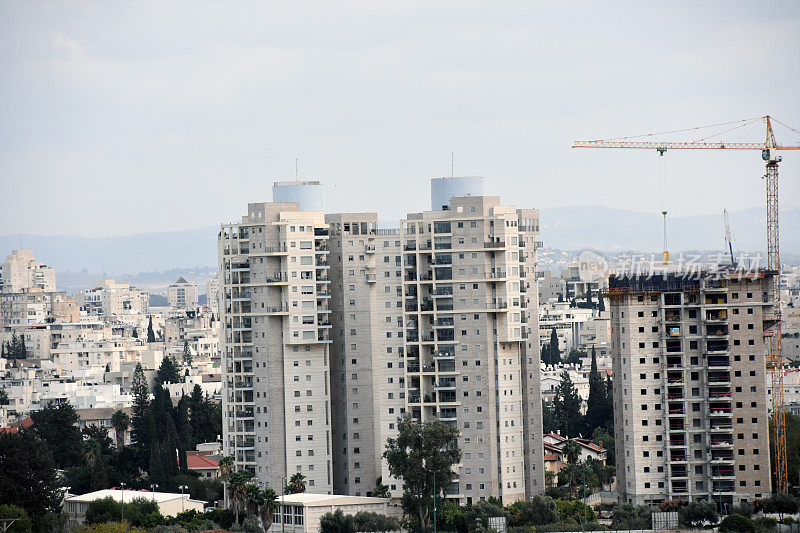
321, 331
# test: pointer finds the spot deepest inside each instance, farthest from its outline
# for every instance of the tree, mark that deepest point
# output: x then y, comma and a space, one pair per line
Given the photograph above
4, 397
296, 485
423, 455
21, 524
539, 511
572, 451
781, 504
575, 357
380, 490
627, 516
151, 335
168, 372
697, 513
120, 421
225, 468
29, 478
737, 523
596, 404
187, 353
567, 408
135, 333
606, 440
555, 352
183, 428
237, 490
792, 452
548, 418
601, 304
163, 464
96, 464
369, 521
337, 522
141, 406
205, 416
57, 426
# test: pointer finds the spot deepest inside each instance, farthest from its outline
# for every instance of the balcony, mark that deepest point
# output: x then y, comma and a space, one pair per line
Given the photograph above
494, 244
369, 248
445, 384
722, 441
719, 315
372, 278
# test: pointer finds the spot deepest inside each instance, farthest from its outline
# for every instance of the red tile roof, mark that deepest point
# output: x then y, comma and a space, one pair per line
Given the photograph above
194, 460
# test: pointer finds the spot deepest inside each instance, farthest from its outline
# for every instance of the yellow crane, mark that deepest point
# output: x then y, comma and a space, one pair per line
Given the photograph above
769, 148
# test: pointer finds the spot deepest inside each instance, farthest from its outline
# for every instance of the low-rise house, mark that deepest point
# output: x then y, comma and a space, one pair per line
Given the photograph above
302, 512
169, 504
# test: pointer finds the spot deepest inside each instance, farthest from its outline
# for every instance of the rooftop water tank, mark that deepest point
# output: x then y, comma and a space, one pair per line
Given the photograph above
309, 194
442, 189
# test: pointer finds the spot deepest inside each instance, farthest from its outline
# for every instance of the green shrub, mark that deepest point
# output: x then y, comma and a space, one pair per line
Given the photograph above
736, 523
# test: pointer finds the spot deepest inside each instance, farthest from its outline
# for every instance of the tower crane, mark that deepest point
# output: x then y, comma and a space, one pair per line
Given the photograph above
728, 236
769, 148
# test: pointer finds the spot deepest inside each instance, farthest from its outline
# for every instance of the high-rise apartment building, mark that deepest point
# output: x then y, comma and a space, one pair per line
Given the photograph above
21, 272
690, 405
275, 337
367, 375
333, 329
111, 299
471, 343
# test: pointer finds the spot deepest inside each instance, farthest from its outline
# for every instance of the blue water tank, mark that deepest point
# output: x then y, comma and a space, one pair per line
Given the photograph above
442, 189
309, 194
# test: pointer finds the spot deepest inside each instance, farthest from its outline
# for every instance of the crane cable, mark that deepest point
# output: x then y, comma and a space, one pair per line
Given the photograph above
662, 191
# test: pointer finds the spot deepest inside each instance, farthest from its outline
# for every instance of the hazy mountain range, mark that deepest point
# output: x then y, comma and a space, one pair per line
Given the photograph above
564, 228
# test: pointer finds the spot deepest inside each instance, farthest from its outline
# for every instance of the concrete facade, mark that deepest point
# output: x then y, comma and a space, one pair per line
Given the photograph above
690, 405
275, 344
471, 344
367, 376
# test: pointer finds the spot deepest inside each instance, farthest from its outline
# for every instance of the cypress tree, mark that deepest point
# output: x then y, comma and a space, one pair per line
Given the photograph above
135, 333
596, 405
183, 428
23, 351
140, 433
151, 335
567, 408
555, 353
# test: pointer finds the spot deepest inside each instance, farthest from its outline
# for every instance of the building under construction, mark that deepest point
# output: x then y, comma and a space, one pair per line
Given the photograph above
690, 404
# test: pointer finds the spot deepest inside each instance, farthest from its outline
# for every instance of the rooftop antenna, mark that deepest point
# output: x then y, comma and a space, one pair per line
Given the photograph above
297, 168
452, 173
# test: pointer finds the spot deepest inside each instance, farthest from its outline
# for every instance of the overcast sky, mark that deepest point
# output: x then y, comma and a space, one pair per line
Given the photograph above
124, 117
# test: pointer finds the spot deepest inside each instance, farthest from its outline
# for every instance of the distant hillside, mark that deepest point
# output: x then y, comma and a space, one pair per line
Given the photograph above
564, 228
602, 228
126, 254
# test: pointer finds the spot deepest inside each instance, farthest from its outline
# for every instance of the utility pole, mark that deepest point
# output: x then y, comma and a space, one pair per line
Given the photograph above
122, 502
183, 501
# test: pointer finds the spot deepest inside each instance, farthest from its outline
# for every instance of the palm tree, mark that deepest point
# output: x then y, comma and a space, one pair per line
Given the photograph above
572, 452
121, 422
297, 484
269, 505
225, 468
237, 490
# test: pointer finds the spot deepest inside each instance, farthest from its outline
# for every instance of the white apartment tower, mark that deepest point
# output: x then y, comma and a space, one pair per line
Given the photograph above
471, 343
690, 404
21, 272
275, 338
367, 375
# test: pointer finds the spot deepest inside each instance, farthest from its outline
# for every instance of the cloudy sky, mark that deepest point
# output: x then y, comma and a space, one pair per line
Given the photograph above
124, 117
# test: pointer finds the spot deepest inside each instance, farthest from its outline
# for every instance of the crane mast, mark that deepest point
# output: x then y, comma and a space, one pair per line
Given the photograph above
768, 147
728, 238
